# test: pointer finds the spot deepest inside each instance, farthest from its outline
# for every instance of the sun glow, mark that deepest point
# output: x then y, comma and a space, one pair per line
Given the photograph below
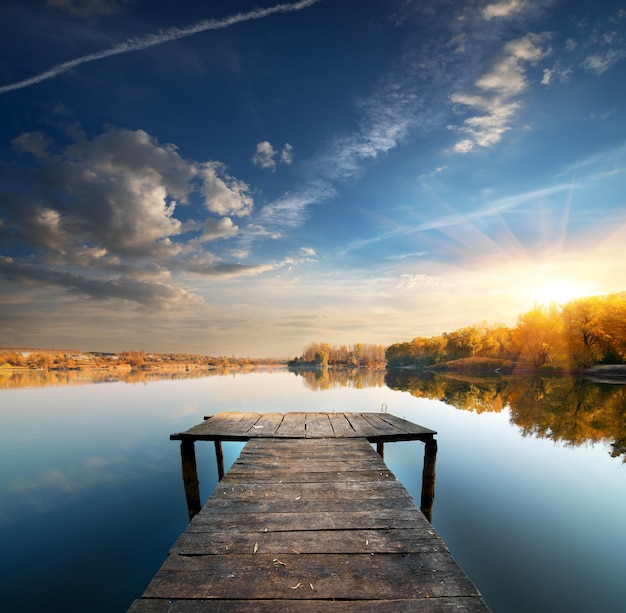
557, 291
552, 281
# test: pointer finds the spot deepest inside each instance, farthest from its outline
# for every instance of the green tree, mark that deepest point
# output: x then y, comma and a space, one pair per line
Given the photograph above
321, 359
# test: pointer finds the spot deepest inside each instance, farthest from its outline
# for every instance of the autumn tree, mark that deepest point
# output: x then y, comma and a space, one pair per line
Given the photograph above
584, 332
539, 334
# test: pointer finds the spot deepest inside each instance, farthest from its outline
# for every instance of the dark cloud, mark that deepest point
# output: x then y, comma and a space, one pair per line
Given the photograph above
149, 294
109, 205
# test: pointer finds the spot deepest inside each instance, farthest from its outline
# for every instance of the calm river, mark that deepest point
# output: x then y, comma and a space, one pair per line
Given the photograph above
530, 489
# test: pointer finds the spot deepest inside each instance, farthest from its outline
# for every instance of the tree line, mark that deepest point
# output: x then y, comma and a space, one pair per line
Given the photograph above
356, 355
571, 337
133, 359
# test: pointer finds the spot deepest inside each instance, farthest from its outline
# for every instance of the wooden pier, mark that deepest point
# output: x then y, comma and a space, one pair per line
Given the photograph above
309, 518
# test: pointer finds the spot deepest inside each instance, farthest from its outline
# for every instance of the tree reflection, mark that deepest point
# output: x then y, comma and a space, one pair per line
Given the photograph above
570, 410
323, 378
12, 379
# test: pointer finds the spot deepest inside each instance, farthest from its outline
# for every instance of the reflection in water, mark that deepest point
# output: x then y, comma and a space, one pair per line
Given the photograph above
12, 379
356, 378
566, 409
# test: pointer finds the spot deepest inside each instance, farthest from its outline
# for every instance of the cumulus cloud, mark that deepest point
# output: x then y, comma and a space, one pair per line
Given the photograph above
224, 194
213, 229
286, 155
495, 104
504, 9
264, 155
267, 157
118, 191
100, 216
32, 142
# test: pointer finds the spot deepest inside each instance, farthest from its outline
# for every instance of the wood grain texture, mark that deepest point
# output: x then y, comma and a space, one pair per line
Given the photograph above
310, 524
376, 427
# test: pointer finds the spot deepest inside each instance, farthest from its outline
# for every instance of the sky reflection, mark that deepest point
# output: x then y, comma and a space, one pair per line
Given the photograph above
91, 491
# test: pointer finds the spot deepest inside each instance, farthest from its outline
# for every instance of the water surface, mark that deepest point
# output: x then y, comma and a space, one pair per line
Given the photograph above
529, 497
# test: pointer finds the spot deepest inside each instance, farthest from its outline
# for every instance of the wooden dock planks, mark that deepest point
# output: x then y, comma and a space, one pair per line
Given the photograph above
309, 524
377, 427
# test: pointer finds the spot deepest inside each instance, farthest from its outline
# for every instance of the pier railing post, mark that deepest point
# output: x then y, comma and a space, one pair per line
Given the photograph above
190, 477
428, 478
219, 456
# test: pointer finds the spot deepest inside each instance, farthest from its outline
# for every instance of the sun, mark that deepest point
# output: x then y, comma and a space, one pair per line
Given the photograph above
552, 282
557, 291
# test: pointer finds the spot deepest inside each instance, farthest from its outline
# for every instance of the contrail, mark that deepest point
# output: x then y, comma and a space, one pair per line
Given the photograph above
137, 44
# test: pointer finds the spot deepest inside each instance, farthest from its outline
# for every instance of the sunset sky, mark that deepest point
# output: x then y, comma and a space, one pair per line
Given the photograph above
242, 177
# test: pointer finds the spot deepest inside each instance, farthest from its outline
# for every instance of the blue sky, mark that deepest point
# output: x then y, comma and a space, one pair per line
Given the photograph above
247, 177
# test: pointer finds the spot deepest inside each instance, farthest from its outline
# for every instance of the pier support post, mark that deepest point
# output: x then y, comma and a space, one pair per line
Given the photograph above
219, 456
380, 447
428, 478
190, 477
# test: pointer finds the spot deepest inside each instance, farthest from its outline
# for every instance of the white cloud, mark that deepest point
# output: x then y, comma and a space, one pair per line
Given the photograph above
291, 209
213, 229
308, 252
597, 48
504, 9
266, 156
599, 63
499, 86
464, 146
286, 155
224, 194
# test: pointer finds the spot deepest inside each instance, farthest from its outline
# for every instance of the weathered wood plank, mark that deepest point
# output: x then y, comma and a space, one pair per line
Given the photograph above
406, 426
298, 466
338, 576
315, 455
362, 427
243, 426
415, 540
285, 475
341, 426
423, 605
311, 523
383, 426
318, 426
298, 505
266, 425
313, 491
290, 446
227, 424
353, 520
293, 425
